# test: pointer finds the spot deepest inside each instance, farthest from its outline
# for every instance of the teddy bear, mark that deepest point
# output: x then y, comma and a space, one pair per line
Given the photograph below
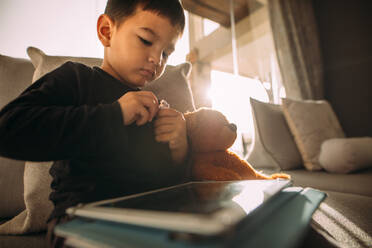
210, 135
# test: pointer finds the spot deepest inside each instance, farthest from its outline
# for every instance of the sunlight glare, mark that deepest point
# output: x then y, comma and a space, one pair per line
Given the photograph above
250, 198
209, 26
182, 46
230, 94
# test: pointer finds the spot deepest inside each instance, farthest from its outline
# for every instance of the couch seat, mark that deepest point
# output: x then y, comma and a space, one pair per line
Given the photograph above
355, 183
345, 219
36, 240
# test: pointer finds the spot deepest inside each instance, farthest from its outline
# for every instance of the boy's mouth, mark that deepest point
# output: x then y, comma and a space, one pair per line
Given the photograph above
147, 73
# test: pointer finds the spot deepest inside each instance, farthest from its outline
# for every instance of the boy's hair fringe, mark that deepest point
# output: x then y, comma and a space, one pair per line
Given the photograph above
119, 10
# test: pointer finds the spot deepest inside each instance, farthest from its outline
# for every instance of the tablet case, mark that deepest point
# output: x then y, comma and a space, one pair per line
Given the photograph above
281, 223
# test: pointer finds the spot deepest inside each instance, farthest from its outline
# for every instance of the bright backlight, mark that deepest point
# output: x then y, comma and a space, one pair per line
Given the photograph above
230, 94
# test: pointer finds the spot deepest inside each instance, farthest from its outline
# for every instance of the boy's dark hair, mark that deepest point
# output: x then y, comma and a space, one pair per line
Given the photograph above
118, 10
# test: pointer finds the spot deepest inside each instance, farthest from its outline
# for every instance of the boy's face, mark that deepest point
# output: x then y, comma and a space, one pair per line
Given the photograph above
137, 50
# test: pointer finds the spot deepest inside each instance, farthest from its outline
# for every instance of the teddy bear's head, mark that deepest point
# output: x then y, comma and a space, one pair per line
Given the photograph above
209, 130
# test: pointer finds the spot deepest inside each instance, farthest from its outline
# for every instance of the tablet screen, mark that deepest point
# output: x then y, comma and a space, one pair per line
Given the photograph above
201, 208
204, 197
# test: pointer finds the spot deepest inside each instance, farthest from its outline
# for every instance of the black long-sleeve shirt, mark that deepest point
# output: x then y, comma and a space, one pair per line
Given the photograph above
71, 116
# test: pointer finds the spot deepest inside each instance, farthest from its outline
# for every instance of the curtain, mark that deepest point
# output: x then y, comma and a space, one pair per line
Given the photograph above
257, 51
297, 48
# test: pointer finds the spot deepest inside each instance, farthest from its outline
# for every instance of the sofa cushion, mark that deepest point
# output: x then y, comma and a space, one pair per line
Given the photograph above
311, 123
44, 63
355, 183
273, 144
15, 76
11, 187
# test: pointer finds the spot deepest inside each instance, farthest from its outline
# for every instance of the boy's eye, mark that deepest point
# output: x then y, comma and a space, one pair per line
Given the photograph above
146, 42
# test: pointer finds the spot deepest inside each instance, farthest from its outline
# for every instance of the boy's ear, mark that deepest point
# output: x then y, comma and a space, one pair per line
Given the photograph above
105, 28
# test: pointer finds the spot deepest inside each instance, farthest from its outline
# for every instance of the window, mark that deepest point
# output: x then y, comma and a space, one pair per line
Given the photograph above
247, 49
25, 24
182, 46
230, 94
209, 26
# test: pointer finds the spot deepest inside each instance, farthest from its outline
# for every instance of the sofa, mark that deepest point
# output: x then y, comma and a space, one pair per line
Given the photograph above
344, 219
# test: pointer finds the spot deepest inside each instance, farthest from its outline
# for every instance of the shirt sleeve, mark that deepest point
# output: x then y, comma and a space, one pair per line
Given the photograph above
46, 122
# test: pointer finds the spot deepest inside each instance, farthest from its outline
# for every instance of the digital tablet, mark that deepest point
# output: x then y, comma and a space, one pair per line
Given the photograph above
205, 208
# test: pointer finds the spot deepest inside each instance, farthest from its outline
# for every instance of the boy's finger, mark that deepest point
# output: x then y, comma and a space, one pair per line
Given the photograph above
150, 96
168, 112
147, 93
151, 105
163, 137
164, 129
164, 121
142, 116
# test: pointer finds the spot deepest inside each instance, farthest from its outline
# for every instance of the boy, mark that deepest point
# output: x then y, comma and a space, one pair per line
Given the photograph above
107, 137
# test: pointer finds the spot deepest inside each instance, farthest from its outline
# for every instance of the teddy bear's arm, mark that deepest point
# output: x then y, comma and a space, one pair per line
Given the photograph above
208, 171
226, 165
247, 172
242, 167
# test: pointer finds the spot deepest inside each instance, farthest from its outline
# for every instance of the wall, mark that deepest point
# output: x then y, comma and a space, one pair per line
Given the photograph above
58, 27
346, 41
65, 27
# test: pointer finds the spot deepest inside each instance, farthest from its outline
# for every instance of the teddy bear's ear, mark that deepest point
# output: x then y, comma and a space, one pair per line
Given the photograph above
185, 69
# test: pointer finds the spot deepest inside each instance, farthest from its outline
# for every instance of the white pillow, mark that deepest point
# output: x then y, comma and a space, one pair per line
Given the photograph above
346, 155
44, 63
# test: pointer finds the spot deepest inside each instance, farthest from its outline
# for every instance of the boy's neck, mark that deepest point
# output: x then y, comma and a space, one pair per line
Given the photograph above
106, 67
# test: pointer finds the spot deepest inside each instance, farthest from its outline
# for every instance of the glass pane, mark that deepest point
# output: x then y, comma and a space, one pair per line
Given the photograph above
230, 94
258, 74
209, 26
182, 46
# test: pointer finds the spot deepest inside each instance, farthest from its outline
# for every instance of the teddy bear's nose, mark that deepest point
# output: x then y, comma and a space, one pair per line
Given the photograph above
233, 127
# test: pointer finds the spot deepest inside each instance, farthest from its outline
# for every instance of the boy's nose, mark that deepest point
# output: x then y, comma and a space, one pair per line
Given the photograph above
155, 59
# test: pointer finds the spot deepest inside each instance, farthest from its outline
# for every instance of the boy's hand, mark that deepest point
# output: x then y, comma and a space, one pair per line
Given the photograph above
170, 126
139, 107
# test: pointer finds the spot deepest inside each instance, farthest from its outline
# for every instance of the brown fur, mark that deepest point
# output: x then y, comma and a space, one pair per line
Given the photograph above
210, 135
